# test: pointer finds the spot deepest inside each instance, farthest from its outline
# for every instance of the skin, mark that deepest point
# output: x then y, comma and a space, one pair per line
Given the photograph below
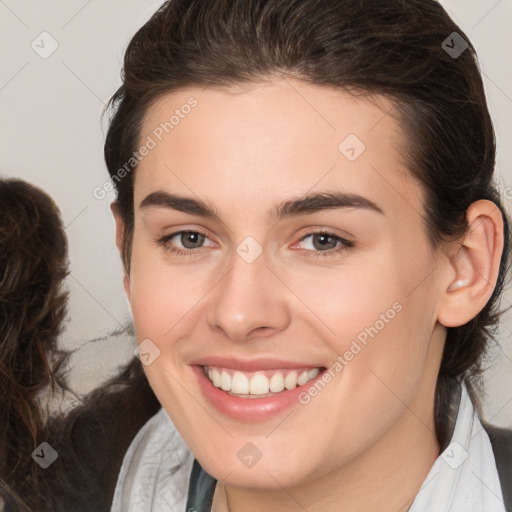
367, 441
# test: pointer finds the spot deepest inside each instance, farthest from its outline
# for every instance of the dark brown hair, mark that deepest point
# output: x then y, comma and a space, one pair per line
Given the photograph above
33, 265
393, 48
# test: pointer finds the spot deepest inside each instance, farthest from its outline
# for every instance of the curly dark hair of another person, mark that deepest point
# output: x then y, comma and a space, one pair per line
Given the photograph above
33, 305
91, 439
365, 47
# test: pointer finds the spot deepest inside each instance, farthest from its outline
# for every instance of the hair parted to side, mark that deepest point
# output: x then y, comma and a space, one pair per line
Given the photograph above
391, 48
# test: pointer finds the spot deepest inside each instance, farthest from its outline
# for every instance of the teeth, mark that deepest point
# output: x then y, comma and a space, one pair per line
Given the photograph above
258, 383
225, 381
277, 382
216, 378
290, 381
303, 378
240, 384
313, 373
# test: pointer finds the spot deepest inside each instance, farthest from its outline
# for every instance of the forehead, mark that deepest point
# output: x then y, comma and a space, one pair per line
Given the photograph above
283, 137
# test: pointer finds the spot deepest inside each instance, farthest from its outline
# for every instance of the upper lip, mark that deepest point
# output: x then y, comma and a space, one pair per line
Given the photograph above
251, 365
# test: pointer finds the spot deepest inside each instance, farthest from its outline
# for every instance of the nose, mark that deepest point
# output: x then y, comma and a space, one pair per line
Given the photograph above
249, 301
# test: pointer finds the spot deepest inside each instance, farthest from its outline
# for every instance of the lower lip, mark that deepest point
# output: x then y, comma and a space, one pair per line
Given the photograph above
249, 409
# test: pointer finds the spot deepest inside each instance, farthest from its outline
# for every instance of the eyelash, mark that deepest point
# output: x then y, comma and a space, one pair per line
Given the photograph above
345, 244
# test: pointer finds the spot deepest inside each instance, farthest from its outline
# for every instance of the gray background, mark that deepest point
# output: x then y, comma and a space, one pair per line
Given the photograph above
51, 135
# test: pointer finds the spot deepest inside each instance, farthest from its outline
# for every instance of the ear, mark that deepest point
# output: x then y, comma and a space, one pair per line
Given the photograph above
114, 207
473, 267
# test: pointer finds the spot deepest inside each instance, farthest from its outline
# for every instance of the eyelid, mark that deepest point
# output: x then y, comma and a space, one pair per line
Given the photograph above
179, 232
343, 243
174, 229
319, 230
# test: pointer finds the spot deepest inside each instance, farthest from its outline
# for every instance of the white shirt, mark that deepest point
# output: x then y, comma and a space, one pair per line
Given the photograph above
154, 476
464, 477
155, 472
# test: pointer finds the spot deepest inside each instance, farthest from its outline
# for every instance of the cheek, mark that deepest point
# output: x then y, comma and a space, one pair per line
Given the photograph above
343, 302
161, 294
378, 320
377, 314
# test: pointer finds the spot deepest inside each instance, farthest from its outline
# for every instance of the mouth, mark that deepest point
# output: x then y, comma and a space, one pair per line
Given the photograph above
256, 395
259, 384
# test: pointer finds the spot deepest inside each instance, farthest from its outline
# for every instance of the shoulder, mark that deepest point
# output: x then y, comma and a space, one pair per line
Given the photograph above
93, 438
501, 442
158, 460
500, 436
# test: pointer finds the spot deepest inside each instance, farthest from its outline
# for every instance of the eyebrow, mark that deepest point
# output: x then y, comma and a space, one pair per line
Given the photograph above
302, 205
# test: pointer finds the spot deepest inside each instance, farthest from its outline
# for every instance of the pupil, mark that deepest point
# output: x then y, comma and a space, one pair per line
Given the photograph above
323, 240
186, 239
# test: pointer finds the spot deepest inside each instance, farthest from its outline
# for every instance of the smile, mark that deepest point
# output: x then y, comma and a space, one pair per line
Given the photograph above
255, 389
260, 383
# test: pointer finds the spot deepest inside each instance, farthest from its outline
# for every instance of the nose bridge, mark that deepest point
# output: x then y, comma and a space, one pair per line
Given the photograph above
247, 298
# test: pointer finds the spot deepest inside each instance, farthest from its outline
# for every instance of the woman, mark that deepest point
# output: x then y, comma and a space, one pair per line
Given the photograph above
312, 199
313, 249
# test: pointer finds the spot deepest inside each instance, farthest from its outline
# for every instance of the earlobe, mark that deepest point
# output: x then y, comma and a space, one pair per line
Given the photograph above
473, 269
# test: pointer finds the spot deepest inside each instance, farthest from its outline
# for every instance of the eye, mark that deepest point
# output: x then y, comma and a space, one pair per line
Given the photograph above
323, 243
189, 239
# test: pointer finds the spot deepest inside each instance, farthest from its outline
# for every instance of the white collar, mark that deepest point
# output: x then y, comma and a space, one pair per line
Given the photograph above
154, 476
155, 473
464, 477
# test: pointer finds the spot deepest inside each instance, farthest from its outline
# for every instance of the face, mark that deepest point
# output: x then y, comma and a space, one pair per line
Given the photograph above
279, 247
